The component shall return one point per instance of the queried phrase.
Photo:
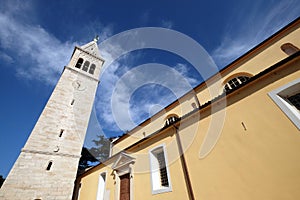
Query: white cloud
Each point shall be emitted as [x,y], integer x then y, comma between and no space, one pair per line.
[42,54]
[167,24]
[6,58]
[183,69]
[253,28]
[144,17]
[45,55]
[153,80]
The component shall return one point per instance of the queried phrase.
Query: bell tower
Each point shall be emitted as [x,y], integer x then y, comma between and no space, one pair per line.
[47,165]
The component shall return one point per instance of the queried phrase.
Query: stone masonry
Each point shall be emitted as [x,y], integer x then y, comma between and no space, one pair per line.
[47,165]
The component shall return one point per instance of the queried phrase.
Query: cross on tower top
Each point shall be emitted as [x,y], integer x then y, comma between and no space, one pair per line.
[96,38]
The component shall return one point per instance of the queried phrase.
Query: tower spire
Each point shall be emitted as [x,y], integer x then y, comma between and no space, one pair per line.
[47,165]
[96,38]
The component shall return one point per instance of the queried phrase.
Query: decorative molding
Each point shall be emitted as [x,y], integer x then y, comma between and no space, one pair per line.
[49,153]
[76,47]
[86,75]
[123,160]
[123,165]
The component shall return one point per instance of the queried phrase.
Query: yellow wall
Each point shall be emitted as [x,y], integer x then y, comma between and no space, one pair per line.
[182,107]
[263,58]
[259,160]
[89,182]
[142,178]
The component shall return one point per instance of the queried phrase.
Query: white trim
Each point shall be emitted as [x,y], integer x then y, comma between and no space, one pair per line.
[278,96]
[101,188]
[123,165]
[153,170]
[110,149]
[131,180]
[123,160]
[117,187]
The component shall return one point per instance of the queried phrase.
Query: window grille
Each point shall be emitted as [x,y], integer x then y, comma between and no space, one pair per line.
[160,177]
[171,120]
[162,169]
[235,82]
[295,100]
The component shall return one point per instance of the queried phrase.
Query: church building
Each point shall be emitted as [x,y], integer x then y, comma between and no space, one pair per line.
[234,136]
[241,142]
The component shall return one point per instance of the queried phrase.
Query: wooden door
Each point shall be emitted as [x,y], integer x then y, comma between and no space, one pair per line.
[125,187]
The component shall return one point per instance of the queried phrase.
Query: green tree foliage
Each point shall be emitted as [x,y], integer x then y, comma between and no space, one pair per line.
[101,149]
[1,180]
[86,159]
[98,153]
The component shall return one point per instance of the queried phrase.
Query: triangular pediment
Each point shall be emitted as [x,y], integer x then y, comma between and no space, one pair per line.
[92,48]
[122,160]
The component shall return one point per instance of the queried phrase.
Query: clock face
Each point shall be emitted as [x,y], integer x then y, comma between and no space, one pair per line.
[78,85]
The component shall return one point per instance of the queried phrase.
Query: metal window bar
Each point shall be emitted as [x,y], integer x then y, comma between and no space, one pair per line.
[295,100]
[162,169]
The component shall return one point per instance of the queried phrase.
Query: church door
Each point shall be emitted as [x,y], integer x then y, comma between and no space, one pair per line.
[125,187]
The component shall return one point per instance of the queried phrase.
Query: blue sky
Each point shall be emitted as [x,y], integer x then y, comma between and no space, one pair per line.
[37,39]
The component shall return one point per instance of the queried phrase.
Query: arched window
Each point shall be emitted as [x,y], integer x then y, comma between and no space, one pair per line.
[289,48]
[235,82]
[86,66]
[92,69]
[171,120]
[79,63]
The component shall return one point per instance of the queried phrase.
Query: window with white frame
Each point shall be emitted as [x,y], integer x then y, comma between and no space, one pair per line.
[159,170]
[101,186]
[295,100]
[287,98]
